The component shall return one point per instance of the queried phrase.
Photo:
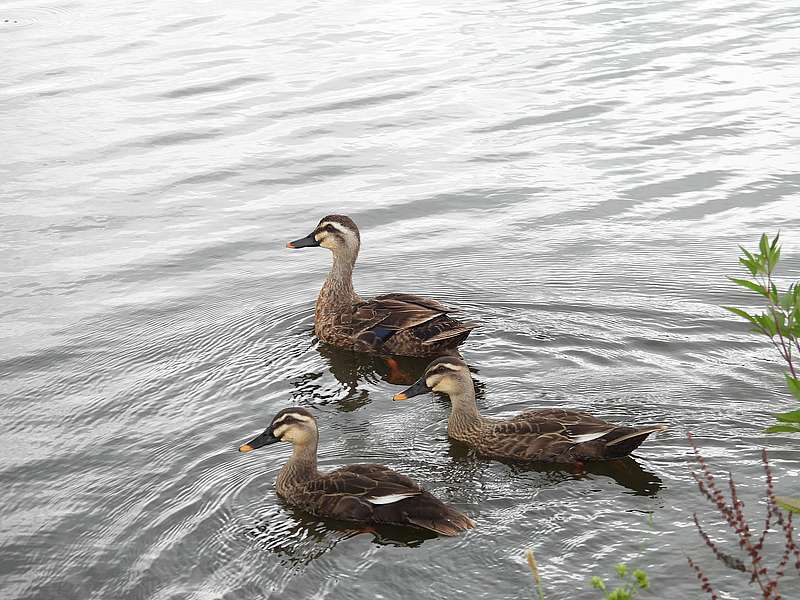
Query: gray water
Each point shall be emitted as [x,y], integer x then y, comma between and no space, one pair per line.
[574,175]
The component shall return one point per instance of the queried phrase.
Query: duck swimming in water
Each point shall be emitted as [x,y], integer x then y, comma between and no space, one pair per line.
[550,435]
[367,493]
[399,323]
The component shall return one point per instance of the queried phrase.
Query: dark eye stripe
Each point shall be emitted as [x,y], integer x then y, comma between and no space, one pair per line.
[326,229]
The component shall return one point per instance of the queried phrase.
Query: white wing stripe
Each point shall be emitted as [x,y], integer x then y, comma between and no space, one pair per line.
[587,437]
[391,498]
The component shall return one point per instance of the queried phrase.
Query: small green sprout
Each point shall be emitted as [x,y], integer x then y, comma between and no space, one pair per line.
[631,583]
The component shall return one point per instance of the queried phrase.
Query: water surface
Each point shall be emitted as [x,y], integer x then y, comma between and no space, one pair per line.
[576,176]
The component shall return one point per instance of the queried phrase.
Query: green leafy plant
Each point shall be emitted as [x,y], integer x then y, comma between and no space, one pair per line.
[630,584]
[780,322]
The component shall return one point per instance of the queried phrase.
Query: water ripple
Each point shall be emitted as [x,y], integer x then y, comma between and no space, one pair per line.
[576,177]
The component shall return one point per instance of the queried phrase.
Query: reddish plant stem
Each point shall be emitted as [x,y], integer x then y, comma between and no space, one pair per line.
[705,584]
[734,517]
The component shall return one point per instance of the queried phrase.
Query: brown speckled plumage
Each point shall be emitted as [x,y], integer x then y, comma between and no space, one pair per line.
[398,323]
[550,435]
[369,494]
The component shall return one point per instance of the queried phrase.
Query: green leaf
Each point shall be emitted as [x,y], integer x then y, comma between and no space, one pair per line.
[774,243]
[750,256]
[751,266]
[750,285]
[641,579]
[750,262]
[789,417]
[787,300]
[774,257]
[793,385]
[597,583]
[767,323]
[788,428]
[741,313]
[790,504]
[763,245]
[774,294]
[622,570]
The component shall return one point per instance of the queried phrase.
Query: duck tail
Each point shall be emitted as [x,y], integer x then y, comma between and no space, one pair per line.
[450,523]
[455,336]
[624,440]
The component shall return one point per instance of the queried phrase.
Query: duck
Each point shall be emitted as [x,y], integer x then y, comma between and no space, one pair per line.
[369,494]
[396,323]
[551,435]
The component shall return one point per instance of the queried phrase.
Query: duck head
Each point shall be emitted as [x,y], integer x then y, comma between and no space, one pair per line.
[448,375]
[337,233]
[294,425]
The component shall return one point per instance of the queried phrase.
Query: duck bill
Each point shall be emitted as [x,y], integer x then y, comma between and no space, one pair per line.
[307,242]
[415,390]
[264,439]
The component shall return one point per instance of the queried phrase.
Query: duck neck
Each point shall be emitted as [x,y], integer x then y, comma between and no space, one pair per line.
[302,467]
[338,286]
[464,415]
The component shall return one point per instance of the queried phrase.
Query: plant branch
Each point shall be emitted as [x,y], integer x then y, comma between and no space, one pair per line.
[732,511]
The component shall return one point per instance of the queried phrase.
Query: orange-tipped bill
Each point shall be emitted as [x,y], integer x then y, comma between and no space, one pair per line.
[258,441]
[420,387]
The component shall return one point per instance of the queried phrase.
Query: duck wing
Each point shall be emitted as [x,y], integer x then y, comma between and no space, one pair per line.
[571,425]
[557,434]
[374,493]
[375,321]
[428,303]
[352,492]
[396,311]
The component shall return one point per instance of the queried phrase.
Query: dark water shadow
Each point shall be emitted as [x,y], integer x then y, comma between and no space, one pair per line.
[626,472]
[351,369]
[297,537]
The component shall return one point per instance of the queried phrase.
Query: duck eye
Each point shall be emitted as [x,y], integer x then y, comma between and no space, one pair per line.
[329,228]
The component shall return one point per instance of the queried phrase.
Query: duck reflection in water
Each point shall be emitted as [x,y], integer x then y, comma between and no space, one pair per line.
[468,465]
[351,369]
[297,538]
